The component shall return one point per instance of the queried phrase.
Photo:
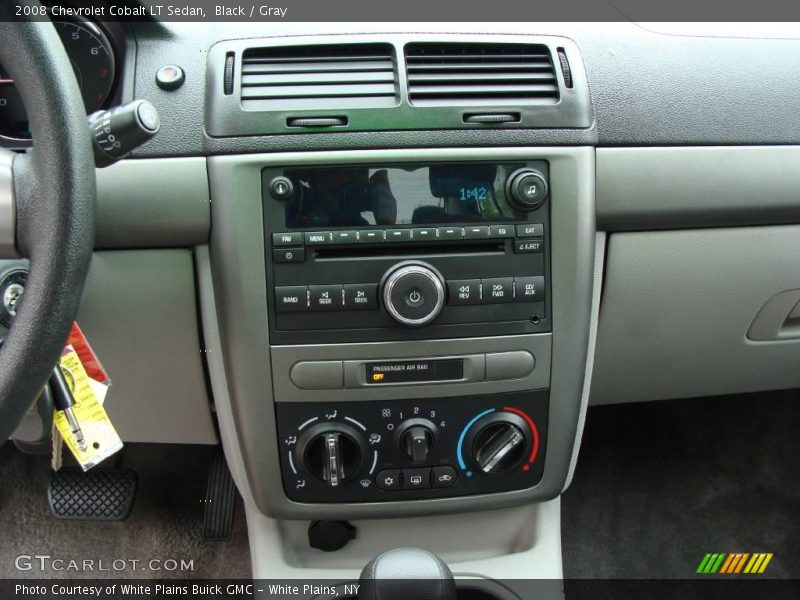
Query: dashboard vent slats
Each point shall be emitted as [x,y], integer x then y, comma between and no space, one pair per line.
[319,77]
[480,74]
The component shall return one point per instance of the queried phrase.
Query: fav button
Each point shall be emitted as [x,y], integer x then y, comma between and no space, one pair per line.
[443,477]
[287,238]
[498,290]
[416,479]
[325,297]
[388,480]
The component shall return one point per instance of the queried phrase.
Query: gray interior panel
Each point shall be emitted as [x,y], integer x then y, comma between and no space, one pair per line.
[153,204]
[356,355]
[680,187]
[139,314]
[647,88]
[518,543]
[676,309]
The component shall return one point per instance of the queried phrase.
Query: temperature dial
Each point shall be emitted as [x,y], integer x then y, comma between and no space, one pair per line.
[332,452]
[500,442]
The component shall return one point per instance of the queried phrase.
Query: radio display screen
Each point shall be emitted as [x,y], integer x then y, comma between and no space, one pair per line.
[428,194]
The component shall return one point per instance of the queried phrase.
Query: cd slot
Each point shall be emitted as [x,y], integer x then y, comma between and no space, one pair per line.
[413,249]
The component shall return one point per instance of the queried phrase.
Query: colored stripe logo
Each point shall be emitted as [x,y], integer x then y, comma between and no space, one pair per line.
[733,563]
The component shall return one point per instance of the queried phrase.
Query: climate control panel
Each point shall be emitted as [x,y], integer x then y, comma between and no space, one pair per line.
[411,449]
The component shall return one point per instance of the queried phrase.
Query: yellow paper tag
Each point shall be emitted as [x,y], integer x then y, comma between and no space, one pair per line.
[101,438]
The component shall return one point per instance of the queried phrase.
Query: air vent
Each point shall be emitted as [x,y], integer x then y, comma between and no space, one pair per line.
[442,74]
[335,76]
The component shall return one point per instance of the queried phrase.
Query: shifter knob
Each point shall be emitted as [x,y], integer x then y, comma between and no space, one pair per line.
[405,574]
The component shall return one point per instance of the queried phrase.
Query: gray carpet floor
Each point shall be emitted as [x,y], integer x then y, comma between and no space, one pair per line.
[166,521]
[659,484]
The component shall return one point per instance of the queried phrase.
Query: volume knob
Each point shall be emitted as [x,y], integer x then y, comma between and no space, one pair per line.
[413,293]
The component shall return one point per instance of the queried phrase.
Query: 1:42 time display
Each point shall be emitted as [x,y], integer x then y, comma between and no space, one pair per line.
[474,193]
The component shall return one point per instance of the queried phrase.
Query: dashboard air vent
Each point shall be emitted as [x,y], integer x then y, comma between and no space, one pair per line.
[335,76]
[471,74]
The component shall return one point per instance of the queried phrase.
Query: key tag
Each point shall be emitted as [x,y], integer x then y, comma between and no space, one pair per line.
[89,382]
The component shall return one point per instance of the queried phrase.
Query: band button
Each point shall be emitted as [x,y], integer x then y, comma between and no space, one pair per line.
[292,298]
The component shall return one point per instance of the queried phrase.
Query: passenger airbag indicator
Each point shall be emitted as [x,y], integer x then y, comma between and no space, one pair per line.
[411,371]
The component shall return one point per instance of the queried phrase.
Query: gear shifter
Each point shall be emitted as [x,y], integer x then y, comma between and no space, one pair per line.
[407,574]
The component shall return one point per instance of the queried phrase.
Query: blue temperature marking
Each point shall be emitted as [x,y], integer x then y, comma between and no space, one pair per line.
[461,437]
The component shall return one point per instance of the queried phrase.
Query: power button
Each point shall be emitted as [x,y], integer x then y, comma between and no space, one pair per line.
[281,188]
[413,293]
[415,298]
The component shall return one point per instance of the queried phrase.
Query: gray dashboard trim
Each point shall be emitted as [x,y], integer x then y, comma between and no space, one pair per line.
[697,186]
[599,264]
[153,203]
[238,269]
[647,88]
[284,357]
[138,311]
[682,303]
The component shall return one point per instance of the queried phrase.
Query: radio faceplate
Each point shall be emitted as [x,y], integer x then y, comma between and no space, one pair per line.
[335,234]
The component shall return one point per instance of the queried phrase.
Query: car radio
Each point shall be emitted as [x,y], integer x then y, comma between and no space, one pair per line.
[410,251]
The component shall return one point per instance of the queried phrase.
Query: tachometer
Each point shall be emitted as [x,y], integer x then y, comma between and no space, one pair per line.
[93,61]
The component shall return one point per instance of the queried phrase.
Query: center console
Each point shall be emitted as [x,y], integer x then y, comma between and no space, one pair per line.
[413,251]
[405,332]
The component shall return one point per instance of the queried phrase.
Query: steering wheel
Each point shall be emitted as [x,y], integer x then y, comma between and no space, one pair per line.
[47,206]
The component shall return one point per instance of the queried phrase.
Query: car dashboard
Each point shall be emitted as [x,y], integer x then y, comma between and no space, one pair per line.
[401,260]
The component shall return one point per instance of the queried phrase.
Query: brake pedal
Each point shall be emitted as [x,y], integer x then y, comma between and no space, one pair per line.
[96,495]
[220,501]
